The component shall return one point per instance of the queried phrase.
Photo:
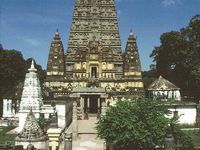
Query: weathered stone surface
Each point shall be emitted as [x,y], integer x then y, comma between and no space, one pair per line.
[32,133]
[31,95]
[132,65]
[94,55]
[56,64]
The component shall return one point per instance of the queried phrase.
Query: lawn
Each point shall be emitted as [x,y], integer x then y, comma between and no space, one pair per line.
[6,137]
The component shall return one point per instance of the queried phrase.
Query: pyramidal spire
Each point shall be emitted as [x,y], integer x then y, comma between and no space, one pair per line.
[56,64]
[31,129]
[131,55]
[32,68]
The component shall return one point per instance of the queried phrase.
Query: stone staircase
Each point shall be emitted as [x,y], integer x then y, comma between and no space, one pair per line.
[87,126]
[87,135]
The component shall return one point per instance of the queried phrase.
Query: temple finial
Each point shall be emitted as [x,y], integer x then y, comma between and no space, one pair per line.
[32,68]
[57,32]
[57,35]
[32,64]
[131,32]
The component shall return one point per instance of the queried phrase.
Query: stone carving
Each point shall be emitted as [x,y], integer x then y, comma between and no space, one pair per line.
[94,55]
[31,95]
[56,64]
[131,55]
[31,133]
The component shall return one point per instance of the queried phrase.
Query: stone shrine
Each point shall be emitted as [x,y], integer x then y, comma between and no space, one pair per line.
[32,98]
[32,134]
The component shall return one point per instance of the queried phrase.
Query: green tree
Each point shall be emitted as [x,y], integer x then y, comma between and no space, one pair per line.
[1,46]
[11,71]
[42,122]
[149,76]
[13,68]
[138,124]
[178,57]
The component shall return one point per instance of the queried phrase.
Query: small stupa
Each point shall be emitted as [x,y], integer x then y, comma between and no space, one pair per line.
[32,133]
[31,96]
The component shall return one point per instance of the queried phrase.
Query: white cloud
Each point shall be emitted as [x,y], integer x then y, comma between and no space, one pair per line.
[167,3]
[32,42]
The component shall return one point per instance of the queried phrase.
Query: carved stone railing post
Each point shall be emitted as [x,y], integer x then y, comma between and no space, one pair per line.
[103,108]
[75,120]
[169,142]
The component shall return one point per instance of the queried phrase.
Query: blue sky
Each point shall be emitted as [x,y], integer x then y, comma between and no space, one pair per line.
[29,25]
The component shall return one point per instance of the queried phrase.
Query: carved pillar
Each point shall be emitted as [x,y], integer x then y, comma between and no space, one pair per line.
[10,107]
[75,120]
[99,108]
[169,142]
[68,141]
[88,104]
[99,103]
[103,108]
[82,106]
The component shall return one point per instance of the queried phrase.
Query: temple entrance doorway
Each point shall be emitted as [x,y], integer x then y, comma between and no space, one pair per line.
[94,72]
[92,104]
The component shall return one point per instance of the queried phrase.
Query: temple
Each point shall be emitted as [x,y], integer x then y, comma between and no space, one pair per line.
[94,69]
[163,89]
[83,82]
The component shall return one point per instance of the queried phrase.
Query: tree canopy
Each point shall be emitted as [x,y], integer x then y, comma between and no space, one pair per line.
[13,68]
[138,124]
[178,57]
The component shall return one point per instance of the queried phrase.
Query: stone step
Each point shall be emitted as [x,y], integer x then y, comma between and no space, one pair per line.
[87,126]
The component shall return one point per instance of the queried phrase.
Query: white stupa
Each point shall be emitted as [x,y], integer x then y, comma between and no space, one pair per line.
[31,96]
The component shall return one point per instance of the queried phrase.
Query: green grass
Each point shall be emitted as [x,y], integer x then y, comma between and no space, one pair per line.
[195,135]
[6,137]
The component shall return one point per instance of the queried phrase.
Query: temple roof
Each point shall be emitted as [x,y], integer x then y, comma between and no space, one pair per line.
[31,130]
[162,84]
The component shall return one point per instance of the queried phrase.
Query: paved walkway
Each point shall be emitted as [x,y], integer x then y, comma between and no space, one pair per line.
[87,136]
[87,126]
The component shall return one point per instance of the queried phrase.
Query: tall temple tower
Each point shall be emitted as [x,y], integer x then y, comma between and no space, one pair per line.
[94,70]
[132,65]
[56,64]
[94,20]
